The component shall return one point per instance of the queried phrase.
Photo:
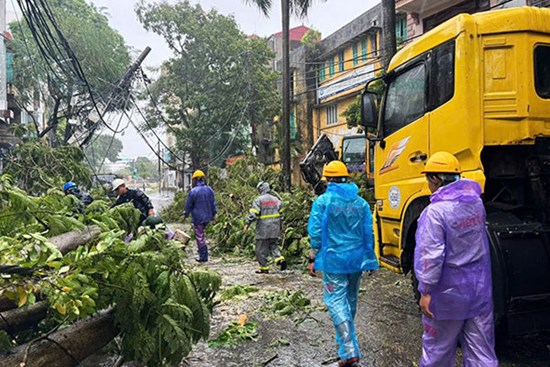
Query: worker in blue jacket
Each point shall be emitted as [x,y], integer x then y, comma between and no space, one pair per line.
[201,205]
[71,188]
[341,237]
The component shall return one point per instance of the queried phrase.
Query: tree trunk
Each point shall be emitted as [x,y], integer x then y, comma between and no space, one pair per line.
[388,18]
[21,318]
[6,303]
[71,240]
[68,347]
[285,8]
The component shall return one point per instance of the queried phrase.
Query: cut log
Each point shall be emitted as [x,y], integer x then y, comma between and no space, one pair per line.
[67,347]
[64,242]
[6,303]
[71,240]
[21,318]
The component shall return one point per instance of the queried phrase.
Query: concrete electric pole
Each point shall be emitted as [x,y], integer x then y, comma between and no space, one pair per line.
[388,18]
[285,158]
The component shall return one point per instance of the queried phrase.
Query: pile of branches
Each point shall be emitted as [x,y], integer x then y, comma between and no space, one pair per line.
[70,284]
[235,189]
[36,167]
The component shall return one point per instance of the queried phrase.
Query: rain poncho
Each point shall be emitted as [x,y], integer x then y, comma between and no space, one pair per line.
[340,229]
[201,204]
[452,261]
[265,210]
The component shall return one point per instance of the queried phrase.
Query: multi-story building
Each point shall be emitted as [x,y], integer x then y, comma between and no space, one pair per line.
[347,59]
[423,15]
[326,76]
[275,43]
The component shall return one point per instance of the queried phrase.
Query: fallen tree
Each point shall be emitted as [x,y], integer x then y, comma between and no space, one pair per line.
[13,319]
[69,241]
[18,319]
[161,306]
[67,347]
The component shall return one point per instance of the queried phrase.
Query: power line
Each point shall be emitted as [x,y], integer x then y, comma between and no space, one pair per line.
[152,130]
[50,48]
[147,142]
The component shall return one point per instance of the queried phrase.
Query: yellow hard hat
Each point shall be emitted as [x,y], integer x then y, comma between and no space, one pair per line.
[335,169]
[198,173]
[442,162]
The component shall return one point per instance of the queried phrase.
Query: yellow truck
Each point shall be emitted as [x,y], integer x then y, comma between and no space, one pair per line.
[477,86]
[353,153]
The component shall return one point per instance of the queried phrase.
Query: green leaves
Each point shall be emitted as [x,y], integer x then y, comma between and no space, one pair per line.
[161,306]
[285,303]
[38,168]
[234,334]
[100,50]
[237,290]
[126,216]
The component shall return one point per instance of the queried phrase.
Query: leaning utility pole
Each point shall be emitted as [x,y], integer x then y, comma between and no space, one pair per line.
[285,7]
[388,27]
[122,86]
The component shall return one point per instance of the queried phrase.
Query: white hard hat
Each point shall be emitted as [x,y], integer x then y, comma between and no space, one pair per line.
[117,182]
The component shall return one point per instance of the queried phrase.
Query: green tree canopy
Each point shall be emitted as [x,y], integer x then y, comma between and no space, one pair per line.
[145,168]
[101,147]
[99,49]
[36,167]
[217,84]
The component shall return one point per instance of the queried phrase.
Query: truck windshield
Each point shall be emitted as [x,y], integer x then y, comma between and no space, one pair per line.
[405,99]
[542,70]
[353,150]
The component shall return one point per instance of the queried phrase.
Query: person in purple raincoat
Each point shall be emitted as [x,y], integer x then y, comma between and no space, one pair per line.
[201,204]
[453,267]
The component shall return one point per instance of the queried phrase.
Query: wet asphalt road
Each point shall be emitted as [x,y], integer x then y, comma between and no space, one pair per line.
[160,200]
[388,323]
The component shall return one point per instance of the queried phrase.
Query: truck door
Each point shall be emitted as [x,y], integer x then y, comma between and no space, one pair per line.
[400,157]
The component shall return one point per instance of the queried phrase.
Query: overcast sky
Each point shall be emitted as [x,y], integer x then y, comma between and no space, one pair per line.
[326,17]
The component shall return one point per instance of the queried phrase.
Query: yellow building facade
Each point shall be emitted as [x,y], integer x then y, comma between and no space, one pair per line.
[348,59]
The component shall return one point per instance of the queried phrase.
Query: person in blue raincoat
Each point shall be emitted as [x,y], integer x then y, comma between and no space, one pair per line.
[71,188]
[341,237]
[453,266]
[201,205]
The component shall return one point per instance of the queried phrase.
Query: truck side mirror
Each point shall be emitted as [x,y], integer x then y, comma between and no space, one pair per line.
[369,112]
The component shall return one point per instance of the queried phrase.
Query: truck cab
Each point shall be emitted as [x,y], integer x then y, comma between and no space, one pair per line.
[353,152]
[477,86]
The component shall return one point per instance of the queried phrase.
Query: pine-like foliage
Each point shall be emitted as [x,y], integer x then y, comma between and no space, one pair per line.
[172,302]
